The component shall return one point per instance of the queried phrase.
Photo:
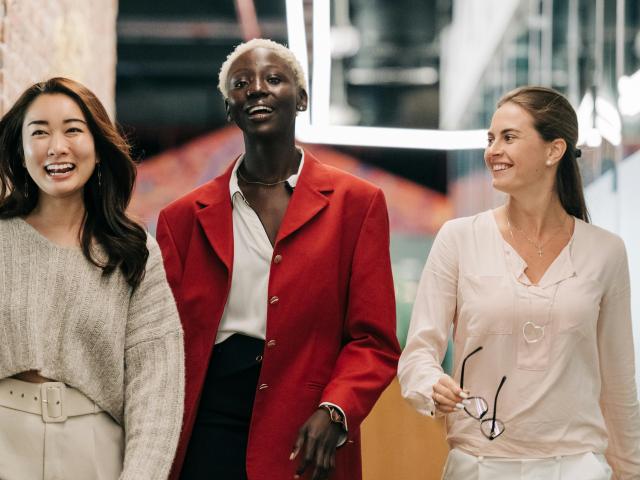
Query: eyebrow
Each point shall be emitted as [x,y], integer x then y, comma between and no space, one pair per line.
[44,122]
[506,130]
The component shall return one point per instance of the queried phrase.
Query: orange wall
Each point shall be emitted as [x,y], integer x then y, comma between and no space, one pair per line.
[400,444]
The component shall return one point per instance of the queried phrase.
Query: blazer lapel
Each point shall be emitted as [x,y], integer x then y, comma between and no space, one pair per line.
[215,217]
[308,199]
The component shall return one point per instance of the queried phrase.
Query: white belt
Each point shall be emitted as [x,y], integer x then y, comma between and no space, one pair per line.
[54,401]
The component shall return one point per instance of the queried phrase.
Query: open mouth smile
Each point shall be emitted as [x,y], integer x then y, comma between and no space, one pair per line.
[258,112]
[499,167]
[59,169]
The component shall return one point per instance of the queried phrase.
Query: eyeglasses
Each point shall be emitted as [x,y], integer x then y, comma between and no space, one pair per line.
[478,407]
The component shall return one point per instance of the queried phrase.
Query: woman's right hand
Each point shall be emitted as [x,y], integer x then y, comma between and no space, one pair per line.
[448,396]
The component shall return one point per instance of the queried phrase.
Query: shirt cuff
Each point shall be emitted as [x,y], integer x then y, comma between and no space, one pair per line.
[423,404]
[344,435]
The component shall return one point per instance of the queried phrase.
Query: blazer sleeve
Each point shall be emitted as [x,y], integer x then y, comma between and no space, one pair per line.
[367,361]
[619,397]
[154,376]
[433,314]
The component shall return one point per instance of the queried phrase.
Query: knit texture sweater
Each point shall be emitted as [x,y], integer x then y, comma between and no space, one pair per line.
[123,349]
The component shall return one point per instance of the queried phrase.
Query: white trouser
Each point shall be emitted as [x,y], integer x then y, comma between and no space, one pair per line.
[42,446]
[584,466]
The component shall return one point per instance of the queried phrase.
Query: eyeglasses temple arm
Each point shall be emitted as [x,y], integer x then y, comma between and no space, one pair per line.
[463,364]
[495,405]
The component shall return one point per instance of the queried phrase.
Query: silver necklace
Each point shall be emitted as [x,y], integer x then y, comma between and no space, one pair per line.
[537,246]
[255,182]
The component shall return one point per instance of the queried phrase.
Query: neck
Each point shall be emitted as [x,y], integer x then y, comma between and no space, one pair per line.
[269,160]
[536,214]
[61,214]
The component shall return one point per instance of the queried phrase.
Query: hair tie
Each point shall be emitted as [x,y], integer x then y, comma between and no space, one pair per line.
[578,153]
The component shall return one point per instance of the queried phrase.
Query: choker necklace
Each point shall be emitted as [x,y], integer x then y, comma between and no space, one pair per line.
[537,246]
[264,184]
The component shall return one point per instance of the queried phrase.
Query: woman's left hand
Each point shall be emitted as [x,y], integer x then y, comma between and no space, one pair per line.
[319,436]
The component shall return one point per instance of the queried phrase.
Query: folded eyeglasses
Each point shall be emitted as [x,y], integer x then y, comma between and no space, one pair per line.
[478,407]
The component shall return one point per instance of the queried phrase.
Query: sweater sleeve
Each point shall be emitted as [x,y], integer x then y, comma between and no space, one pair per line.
[154,376]
[433,313]
[619,398]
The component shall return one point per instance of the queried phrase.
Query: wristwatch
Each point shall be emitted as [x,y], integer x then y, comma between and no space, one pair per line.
[335,415]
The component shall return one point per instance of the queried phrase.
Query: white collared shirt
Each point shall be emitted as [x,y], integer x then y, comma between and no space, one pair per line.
[246,308]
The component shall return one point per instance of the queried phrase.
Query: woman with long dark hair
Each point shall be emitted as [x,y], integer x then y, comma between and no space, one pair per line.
[544,383]
[92,355]
[281,271]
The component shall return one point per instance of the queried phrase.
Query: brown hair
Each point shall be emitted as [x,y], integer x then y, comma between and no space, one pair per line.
[553,118]
[105,199]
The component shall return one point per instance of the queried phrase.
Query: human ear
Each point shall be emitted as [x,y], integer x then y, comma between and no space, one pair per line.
[556,151]
[227,110]
[301,104]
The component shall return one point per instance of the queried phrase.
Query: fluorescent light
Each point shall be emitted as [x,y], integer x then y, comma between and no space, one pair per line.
[392,137]
[317,129]
[593,138]
[393,76]
[608,121]
[629,90]
[608,113]
[321,92]
[297,37]
[608,124]
[585,118]
[345,42]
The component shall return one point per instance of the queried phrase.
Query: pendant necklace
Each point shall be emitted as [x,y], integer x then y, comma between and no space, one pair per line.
[537,246]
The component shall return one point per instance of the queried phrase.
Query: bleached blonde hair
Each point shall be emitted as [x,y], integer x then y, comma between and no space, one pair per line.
[282,51]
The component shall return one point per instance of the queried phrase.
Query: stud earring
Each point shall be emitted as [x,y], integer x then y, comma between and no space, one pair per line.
[549,163]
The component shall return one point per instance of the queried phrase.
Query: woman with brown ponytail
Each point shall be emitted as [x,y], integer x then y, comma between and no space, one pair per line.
[544,382]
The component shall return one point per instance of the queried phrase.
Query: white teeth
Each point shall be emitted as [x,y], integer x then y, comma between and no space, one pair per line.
[496,167]
[259,109]
[59,168]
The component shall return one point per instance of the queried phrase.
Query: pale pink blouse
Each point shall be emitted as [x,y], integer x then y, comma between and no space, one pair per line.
[572,392]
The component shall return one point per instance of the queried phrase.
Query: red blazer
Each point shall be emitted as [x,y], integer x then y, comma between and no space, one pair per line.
[330,337]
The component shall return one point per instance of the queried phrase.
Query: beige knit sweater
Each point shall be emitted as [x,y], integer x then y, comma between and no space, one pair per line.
[59,315]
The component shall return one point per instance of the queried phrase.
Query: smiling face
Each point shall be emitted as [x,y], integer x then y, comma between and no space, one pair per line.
[516,155]
[263,94]
[59,151]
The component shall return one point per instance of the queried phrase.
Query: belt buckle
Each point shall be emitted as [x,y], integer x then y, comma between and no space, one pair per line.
[52,396]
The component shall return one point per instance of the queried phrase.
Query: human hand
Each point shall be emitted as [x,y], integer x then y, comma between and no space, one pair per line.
[448,396]
[320,437]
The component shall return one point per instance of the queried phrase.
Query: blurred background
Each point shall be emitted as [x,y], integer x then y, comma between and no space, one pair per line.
[401,93]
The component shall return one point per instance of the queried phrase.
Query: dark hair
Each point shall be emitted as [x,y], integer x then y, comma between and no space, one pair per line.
[124,241]
[553,118]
